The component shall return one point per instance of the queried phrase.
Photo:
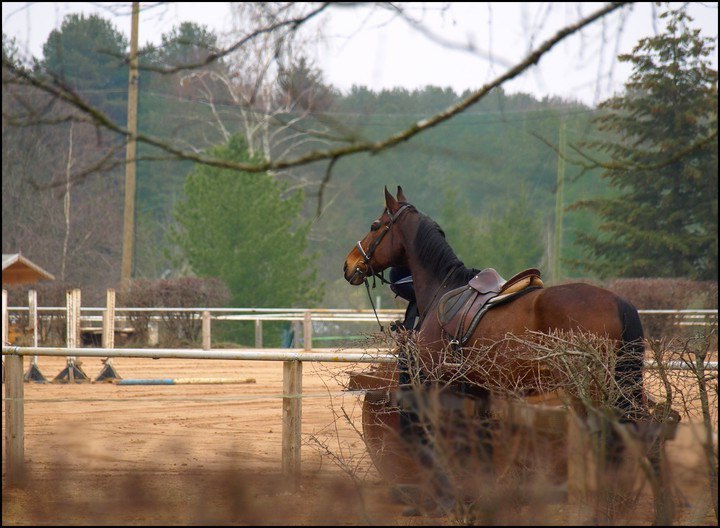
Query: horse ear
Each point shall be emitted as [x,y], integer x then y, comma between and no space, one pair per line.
[390,201]
[401,195]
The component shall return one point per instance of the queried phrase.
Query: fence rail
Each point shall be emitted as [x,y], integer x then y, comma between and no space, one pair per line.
[101,319]
[346,355]
[684,317]
[303,320]
[292,390]
[292,358]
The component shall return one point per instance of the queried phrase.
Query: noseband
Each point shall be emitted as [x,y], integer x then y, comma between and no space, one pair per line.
[367,255]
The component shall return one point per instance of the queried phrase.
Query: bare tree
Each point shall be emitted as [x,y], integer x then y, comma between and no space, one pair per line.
[272,37]
[49,211]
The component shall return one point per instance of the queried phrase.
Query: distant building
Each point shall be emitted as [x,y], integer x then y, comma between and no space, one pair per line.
[17,269]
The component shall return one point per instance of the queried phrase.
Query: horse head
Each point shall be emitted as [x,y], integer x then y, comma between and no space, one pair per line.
[377,251]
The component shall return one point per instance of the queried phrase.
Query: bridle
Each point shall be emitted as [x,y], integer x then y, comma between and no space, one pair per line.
[367,255]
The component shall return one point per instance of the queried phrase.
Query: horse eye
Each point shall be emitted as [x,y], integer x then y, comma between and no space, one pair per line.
[375,225]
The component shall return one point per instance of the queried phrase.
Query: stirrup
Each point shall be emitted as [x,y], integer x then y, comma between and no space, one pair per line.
[455,352]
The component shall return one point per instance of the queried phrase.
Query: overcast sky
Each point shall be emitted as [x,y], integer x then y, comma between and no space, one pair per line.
[372,47]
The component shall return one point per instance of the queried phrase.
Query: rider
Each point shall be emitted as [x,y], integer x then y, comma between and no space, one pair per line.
[401,283]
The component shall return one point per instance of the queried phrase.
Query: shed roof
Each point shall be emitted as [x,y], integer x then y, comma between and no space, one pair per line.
[17,269]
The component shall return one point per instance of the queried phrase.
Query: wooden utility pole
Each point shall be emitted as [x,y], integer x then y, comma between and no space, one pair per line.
[557,241]
[130,166]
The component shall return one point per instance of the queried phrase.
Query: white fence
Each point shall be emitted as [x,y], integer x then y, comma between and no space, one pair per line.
[103,320]
[303,321]
[292,391]
[292,359]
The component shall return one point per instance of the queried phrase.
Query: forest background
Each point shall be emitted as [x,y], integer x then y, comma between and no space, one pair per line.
[489,176]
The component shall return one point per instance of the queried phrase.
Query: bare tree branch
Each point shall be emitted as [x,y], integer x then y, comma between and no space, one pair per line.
[292,24]
[469,47]
[628,167]
[57,89]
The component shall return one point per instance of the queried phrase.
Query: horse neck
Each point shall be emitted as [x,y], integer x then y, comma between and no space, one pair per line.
[434,265]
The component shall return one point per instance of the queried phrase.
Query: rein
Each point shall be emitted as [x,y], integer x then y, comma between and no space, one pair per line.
[367,287]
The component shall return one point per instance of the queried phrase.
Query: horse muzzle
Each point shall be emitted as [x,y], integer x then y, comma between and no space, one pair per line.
[356,274]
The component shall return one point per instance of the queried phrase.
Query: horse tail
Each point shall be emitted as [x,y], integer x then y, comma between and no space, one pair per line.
[630,362]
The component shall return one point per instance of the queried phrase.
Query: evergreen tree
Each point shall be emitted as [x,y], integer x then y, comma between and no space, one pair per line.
[88,55]
[507,238]
[9,49]
[301,87]
[663,222]
[189,44]
[173,107]
[238,227]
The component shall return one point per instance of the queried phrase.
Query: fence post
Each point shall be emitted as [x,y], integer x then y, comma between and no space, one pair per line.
[577,459]
[153,332]
[108,337]
[15,418]
[291,424]
[206,337]
[33,318]
[307,331]
[258,333]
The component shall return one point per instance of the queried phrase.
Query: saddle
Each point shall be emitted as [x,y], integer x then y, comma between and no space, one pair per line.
[460,310]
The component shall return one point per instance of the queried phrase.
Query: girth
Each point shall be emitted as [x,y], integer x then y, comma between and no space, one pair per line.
[460,310]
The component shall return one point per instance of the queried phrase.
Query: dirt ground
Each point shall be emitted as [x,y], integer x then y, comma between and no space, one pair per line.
[103,454]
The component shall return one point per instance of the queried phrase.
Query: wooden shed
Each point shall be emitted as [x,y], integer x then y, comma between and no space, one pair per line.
[17,269]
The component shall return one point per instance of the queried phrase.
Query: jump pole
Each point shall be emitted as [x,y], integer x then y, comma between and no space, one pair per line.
[33,372]
[187,381]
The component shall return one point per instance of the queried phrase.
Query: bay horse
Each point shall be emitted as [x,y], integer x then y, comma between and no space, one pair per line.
[404,236]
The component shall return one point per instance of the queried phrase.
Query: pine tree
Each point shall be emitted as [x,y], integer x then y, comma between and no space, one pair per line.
[88,55]
[241,227]
[663,219]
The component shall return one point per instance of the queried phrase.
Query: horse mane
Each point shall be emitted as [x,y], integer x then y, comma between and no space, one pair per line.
[436,254]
